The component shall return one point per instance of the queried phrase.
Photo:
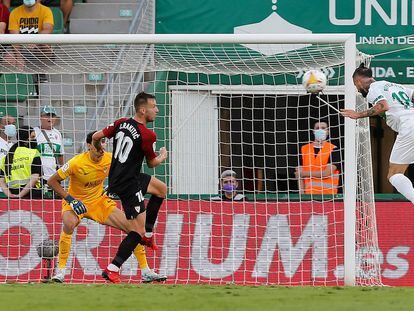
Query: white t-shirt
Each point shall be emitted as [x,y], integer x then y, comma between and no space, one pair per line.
[398,98]
[48,157]
[4,147]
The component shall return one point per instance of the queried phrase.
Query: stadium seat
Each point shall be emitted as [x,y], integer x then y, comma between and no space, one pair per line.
[8,109]
[58,19]
[16,87]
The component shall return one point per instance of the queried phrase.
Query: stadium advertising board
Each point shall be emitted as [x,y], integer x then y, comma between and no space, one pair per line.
[206,242]
[383,28]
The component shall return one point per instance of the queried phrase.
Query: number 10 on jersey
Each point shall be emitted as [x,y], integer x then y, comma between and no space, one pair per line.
[123,147]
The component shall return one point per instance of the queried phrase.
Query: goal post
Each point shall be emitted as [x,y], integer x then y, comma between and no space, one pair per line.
[350,164]
[227,102]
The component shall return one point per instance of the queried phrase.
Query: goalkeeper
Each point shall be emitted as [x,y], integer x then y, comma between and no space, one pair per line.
[87,172]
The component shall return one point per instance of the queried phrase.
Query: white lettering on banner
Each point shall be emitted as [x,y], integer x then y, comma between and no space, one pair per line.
[402,265]
[372,6]
[404,12]
[405,40]
[366,259]
[81,249]
[410,72]
[278,235]
[38,232]
[381,40]
[381,72]
[344,22]
[294,246]
[201,250]
[171,244]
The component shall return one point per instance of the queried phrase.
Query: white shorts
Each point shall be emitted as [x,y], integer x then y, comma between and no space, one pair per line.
[403,149]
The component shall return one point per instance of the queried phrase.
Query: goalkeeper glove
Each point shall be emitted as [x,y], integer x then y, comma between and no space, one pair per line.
[77,206]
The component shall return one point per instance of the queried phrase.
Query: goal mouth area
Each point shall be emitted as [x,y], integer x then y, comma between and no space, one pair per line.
[232,102]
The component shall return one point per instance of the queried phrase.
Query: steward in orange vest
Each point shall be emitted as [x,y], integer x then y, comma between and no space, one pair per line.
[318,175]
[315,164]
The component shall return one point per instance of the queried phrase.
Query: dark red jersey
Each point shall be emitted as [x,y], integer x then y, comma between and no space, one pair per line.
[132,142]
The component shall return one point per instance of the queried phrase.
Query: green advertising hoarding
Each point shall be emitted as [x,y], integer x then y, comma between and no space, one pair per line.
[383,27]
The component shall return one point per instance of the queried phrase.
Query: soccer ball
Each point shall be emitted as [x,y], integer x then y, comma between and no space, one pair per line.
[314,81]
[48,249]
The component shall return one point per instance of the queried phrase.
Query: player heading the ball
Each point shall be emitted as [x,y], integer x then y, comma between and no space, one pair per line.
[397,103]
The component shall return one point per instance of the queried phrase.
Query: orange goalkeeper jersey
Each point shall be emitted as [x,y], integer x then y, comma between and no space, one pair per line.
[86,176]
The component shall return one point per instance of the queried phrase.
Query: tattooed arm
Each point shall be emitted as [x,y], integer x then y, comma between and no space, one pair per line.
[375,110]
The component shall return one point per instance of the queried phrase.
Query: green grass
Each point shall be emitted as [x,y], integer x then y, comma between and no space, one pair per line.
[201,297]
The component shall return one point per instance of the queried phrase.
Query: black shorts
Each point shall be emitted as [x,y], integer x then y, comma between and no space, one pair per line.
[132,195]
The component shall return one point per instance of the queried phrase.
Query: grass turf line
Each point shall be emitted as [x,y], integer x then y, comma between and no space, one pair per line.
[201,297]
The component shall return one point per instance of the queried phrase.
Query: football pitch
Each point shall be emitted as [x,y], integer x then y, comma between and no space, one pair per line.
[201,297]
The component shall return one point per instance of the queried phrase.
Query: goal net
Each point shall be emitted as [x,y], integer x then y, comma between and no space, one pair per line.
[235,119]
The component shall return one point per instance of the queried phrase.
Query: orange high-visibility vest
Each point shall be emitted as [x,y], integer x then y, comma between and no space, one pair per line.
[310,162]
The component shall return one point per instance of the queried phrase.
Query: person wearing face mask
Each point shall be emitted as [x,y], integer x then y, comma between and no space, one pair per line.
[229,185]
[66,6]
[49,142]
[7,133]
[396,103]
[320,164]
[20,169]
[30,18]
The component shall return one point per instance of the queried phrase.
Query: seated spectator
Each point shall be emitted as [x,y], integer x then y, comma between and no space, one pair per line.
[320,164]
[30,18]
[49,142]
[7,133]
[20,169]
[229,185]
[4,19]
[66,6]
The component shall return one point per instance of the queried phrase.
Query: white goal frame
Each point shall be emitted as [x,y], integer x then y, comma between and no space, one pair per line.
[349,42]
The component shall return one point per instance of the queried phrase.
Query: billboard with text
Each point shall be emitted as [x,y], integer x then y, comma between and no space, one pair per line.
[215,243]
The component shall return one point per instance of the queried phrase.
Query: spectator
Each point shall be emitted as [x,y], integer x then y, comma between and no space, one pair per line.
[4,19]
[20,169]
[229,185]
[30,18]
[320,164]
[66,6]
[49,142]
[7,132]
